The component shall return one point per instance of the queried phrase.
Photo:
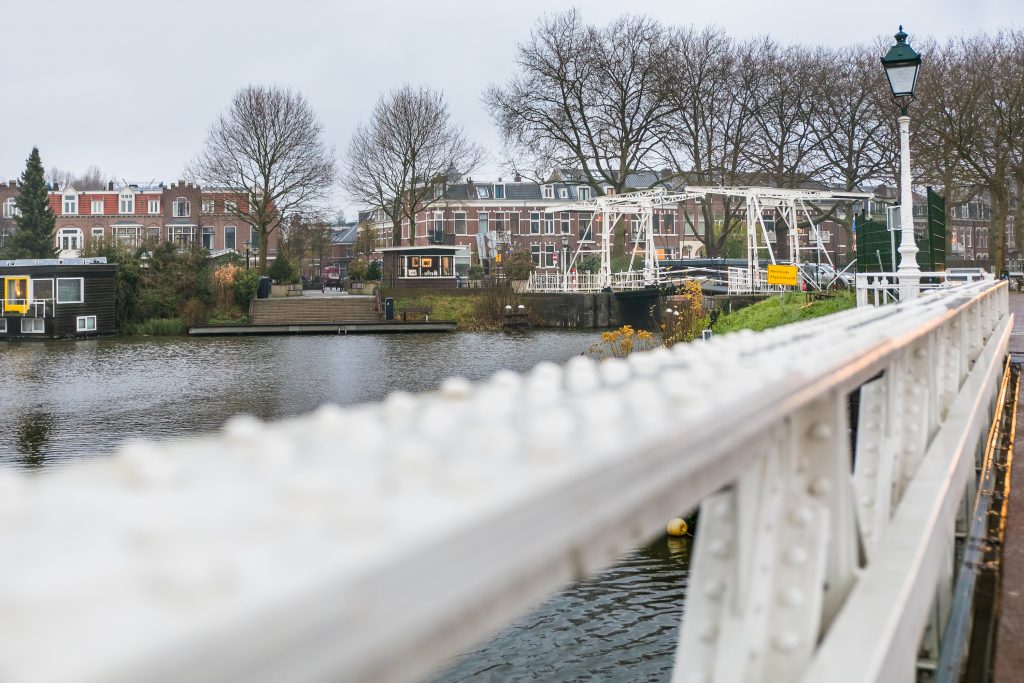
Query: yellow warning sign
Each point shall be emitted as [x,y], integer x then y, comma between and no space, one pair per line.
[782,275]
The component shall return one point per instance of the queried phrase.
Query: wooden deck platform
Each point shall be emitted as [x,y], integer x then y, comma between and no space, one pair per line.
[378,327]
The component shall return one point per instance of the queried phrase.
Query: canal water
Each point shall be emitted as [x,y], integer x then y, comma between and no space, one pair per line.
[64,401]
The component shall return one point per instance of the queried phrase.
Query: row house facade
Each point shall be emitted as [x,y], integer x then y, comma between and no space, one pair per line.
[141,215]
[526,216]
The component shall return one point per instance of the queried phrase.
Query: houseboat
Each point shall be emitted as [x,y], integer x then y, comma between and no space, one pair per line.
[430,267]
[58,298]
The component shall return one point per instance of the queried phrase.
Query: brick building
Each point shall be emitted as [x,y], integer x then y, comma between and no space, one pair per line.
[138,215]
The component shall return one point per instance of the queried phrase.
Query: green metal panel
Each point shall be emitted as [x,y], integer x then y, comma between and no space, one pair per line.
[874,248]
[936,231]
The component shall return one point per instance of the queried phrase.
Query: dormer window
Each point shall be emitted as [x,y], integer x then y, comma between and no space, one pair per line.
[70,204]
[499,191]
[583,193]
[230,206]
[548,191]
[609,191]
[563,193]
[126,202]
[483,193]
[181,207]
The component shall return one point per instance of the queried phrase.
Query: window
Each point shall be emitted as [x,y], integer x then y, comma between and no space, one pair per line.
[609,191]
[563,193]
[482,193]
[534,222]
[69,290]
[3,325]
[128,235]
[208,238]
[16,294]
[427,266]
[69,239]
[254,237]
[584,226]
[634,228]
[460,222]
[32,326]
[548,191]
[70,204]
[208,206]
[97,233]
[668,224]
[535,254]
[482,223]
[42,289]
[549,224]
[513,223]
[583,193]
[126,202]
[549,256]
[499,191]
[230,206]
[85,323]
[566,223]
[181,234]
[154,206]
[181,208]
[826,236]
[229,237]
[499,223]
[152,234]
[96,207]
[10,209]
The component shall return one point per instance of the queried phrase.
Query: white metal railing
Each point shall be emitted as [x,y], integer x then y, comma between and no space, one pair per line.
[590,282]
[357,545]
[876,289]
[746,281]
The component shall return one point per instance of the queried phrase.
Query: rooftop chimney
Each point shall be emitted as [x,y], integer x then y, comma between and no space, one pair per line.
[518,178]
[12,183]
[56,187]
[110,185]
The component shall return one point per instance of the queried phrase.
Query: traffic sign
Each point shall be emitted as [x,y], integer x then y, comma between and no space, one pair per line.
[782,275]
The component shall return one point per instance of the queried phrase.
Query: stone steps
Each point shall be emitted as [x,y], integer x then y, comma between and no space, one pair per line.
[319,310]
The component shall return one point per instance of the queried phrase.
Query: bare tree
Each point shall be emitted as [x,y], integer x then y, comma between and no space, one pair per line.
[92,179]
[587,98]
[268,145]
[402,159]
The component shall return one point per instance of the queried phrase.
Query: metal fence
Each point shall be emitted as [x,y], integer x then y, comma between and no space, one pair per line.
[358,545]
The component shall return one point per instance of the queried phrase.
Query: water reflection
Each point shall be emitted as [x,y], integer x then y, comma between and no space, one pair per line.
[32,432]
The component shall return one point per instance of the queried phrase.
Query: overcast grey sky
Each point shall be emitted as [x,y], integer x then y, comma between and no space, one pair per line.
[133,86]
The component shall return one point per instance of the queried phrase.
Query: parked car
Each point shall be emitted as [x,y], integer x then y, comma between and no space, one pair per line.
[825,276]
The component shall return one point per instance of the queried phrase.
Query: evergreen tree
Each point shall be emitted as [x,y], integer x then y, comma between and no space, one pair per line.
[34,235]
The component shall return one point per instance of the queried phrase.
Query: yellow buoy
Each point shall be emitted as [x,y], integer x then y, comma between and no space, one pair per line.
[676,527]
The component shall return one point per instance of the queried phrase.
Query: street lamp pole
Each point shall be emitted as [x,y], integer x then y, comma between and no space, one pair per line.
[902,65]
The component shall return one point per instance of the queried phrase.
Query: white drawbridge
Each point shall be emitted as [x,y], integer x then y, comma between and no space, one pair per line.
[790,206]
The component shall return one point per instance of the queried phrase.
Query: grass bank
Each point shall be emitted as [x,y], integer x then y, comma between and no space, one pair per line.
[157,327]
[464,309]
[770,313]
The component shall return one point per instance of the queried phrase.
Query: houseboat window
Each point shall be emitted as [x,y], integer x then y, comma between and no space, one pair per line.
[3,325]
[428,266]
[16,294]
[85,323]
[69,290]
[42,290]
[32,326]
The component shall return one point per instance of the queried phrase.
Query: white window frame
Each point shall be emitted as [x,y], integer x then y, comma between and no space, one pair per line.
[153,233]
[483,220]
[81,290]
[549,223]
[94,205]
[209,206]
[234,237]
[34,323]
[82,323]
[483,192]
[826,236]
[154,206]
[230,206]
[585,227]
[10,208]
[565,223]
[3,325]
[176,232]
[75,234]
[126,203]
[563,193]
[548,191]
[96,232]
[70,205]
[535,222]
[499,190]
[461,224]
[180,205]
[583,193]
[203,232]
[128,235]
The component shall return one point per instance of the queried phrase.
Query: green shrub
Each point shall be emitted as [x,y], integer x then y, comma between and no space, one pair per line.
[520,265]
[476,272]
[155,302]
[373,272]
[591,263]
[282,271]
[358,269]
[246,284]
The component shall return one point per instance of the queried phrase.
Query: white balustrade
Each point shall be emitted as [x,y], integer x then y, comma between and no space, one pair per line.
[361,544]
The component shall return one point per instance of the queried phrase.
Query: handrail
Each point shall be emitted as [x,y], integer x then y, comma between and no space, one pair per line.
[314,548]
